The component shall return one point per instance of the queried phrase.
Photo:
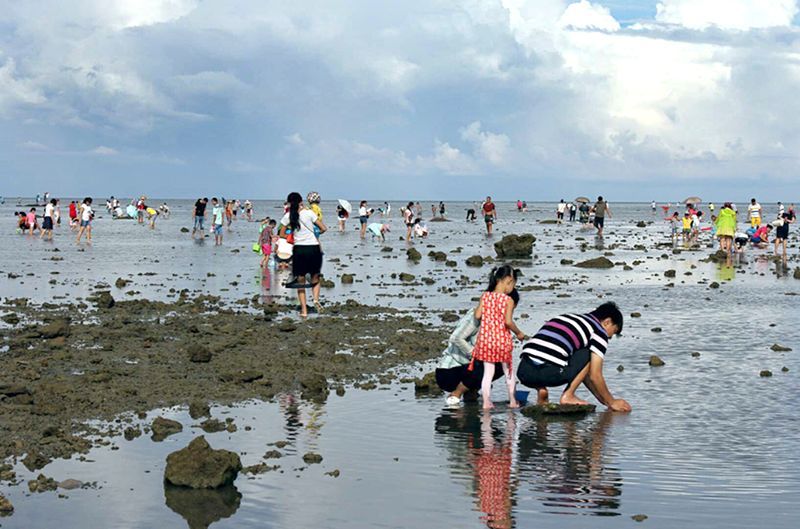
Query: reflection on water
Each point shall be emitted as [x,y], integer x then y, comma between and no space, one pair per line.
[202,507]
[562,461]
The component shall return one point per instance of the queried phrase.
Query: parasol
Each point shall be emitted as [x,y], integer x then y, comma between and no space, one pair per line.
[346,205]
[582,200]
[693,200]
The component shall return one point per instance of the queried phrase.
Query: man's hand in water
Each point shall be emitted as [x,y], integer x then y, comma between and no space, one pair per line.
[619,405]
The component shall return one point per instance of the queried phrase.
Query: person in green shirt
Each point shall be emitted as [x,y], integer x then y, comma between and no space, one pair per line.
[726,227]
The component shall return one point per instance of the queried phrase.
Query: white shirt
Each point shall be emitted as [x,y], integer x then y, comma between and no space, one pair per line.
[48,210]
[755,210]
[304,236]
[86,212]
[362,211]
[561,207]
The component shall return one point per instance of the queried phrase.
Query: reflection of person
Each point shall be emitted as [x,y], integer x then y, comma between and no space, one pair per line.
[569,350]
[452,374]
[566,464]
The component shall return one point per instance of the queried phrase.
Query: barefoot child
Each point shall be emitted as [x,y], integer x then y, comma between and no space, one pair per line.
[494,343]
[265,239]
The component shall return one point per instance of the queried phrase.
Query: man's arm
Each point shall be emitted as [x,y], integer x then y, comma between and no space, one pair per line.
[608,210]
[597,385]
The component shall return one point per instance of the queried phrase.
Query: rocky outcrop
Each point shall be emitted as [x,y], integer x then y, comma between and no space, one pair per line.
[198,466]
[515,246]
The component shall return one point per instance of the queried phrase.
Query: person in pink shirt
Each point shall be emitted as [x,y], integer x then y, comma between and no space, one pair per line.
[31,218]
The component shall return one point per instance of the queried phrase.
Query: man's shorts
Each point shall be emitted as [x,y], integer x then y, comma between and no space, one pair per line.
[755,222]
[217,229]
[547,374]
[488,219]
[598,222]
[198,222]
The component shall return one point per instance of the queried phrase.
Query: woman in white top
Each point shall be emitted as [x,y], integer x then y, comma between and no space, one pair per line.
[47,223]
[86,215]
[306,254]
[363,217]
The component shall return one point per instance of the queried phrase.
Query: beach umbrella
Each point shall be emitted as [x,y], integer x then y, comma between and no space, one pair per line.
[693,200]
[346,205]
[582,200]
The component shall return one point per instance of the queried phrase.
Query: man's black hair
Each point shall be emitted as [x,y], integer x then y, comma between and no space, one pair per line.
[609,310]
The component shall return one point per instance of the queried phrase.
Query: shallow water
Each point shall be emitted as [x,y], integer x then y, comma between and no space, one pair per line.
[709,442]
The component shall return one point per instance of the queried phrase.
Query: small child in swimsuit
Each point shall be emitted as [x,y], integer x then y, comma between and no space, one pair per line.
[265,239]
[494,343]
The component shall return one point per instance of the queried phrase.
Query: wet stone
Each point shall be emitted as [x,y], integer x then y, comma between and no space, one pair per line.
[540,410]
[778,348]
[198,408]
[765,373]
[198,353]
[199,466]
[347,279]
[163,428]
[413,254]
[475,260]
[311,458]
[6,508]
[656,361]
[515,246]
[601,262]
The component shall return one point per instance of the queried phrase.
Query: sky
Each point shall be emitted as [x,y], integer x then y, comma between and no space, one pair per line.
[412,99]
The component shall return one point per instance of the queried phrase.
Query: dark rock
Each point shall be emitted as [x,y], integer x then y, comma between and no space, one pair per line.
[131,432]
[639,517]
[198,466]
[273,454]
[104,300]
[656,329]
[198,353]
[515,246]
[12,390]
[720,256]
[121,283]
[669,273]
[199,408]
[54,329]
[641,224]
[450,317]
[347,279]
[426,384]
[597,262]
[696,354]
[552,408]
[765,373]
[242,376]
[6,508]
[184,230]
[778,348]
[163,428]
[437,256]
[42,484]
[326,283]
[566,262]
[656,361]
[785,369]
[636,314]
[620,368]
[413,254]
[311,458]
[287,325]
[11,318]
[70,484]
[475,260]
[315,387]
[202,507]
[213,426]
[333,473]
[407,277]
[713,284]
[35,460]
[796,273]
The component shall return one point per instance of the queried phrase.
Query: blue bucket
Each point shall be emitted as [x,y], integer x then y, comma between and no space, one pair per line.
[521,396]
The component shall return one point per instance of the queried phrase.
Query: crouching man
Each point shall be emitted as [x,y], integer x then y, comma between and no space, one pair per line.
[569,351]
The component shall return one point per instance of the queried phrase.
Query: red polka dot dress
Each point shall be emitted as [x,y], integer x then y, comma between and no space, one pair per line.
[494,343]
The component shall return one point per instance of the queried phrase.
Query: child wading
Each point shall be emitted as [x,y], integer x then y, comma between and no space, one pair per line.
[494,343]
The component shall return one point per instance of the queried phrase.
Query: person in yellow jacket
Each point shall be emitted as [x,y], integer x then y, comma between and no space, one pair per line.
[726,227]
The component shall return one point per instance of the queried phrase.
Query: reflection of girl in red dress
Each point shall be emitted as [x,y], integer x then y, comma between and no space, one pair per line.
[492,469]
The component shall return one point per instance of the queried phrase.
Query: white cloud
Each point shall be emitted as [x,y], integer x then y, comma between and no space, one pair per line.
[33,146]
[728,14]
[585,15]
[14,90]
[495,148]
[102,150]
[450,160]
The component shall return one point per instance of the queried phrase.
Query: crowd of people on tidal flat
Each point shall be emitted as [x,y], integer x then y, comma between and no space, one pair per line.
[568,350]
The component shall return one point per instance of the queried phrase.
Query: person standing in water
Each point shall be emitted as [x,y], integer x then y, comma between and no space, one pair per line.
[754,209]
[47,222]
[217,220]
[306,256]
[569,350]
[408,218]
[560,209]
[600,210]
[199,217]
[363,217]
[494,343]
[86,215]
[342,215]
[489,214]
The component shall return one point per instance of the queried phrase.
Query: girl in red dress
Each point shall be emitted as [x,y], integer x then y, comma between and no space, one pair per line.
[494,343]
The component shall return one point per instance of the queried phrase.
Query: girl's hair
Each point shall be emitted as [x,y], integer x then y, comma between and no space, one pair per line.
[53,201]
[363,202]
[87,200]
[294,200]
[498,273]
[410,205]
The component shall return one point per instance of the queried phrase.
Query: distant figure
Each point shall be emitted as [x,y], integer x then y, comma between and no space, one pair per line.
[519,206]
[600,210]
[164,209]
[782,233]
[754,209]
[378,229]
[653,206]
[584,210]
[573,209]
[471,215]
[363,217]
[86,215]
[442,210]
[47,221]
[489,214]
[33,224]
[408,218]
[560,209]
[199,216]
[342,215]
[433,211]
[711,207]
[217,220]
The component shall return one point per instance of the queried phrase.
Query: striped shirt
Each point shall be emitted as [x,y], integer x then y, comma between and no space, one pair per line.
[560,337]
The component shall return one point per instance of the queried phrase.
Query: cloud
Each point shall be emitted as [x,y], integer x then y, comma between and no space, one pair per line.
[494,148]
[102,150]
[727,14]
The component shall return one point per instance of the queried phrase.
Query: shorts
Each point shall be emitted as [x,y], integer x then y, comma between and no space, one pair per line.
[198,222]
[47,223]
[755,221]
[560,215]
[598,222]
[266,249]
[687,230]
[306,260]
[547,374]
[782,232]
[85,223]
[488,219]
[217,229]
[363,219]
[448,379]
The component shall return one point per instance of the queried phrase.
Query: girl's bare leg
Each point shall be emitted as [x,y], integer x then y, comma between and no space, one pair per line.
[486,385]
[511,383]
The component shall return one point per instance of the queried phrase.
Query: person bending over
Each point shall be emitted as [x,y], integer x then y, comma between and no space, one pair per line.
[569,350]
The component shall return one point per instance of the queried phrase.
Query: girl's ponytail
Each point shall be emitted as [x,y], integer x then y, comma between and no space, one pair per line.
[498,273]
[294,200]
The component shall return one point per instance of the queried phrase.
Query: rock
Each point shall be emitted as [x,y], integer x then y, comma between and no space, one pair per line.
[202,507]
[713,284]
[639,517]
[597,262]
[311,458]
[104,300]
[641,224]
[12,390]
[199,408]
[347,279]
[326,283]
[333,473]
[450,317]
[656,361]
[163,428]
[70,484]
[552,408]
[720,256]
[42,484]
[426,384]
[437,256]
[696,354]
[184,230]
[413,255]
[515,246]
[387,249]
[6,508]
[620,368]
[669,273]
[796,273]
[287,325]
[198,353]
[765,373]
[242,376]
[315,387]
[778,348]
[566,262]
[121,283]
[35,460]
[407,277]
[548,221]
[213,426]
[636,314]
[273,454]
[54,329]
[475,260]
[11,318]
[784,369]
[131,432]
[198,466]
[655,329]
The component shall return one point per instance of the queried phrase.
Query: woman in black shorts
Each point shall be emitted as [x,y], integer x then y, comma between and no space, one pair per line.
[306,254]
[782,233]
